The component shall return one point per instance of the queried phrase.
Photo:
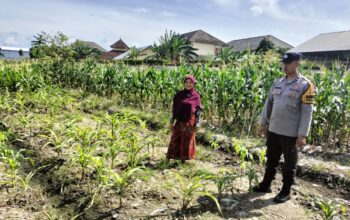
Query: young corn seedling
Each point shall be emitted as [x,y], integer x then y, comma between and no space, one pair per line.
[329,208]
[12,161]
[152,141]
[224,182]
[101,171]
[190,189]
[214,144]
[252,177]
[134,151]
[57,141]
[121,182]
[82,156]
[262,157]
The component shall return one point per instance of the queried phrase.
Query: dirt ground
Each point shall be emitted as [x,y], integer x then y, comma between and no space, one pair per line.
[57,193]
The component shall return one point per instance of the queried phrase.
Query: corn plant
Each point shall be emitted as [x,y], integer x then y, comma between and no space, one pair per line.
[57,141]
[252,177]
[101,171]
[134,151]
[224,181]
[214,144]
[262,156]
[83,157]
[191,188]
[152,141]
[12,161]
[121,182]
[328,207]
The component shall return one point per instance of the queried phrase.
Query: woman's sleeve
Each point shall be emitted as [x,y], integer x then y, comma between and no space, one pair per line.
[172,112]
[198,116]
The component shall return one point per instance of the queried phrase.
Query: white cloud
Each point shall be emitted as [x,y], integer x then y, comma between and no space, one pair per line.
[168,14]
[227,3]
[256,10]
[140,10]
[11,41]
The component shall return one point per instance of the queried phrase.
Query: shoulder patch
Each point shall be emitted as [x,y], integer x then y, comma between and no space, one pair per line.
[309,95]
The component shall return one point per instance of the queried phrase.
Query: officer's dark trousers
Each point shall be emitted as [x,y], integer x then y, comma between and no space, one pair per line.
[276,146]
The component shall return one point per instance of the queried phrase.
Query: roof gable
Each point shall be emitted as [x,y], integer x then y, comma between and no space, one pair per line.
[120,45]
[200,36]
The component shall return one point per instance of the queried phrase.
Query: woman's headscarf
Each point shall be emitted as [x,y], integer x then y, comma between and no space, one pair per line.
[186,102]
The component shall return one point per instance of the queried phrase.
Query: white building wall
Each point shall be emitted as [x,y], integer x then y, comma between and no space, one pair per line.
[206,49]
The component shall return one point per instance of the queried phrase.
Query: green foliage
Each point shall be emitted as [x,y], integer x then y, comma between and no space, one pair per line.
[252,177]
[121,182]
[329,208]
[191,188]
[265,45]
[232,96]
[173,47]
[83,51]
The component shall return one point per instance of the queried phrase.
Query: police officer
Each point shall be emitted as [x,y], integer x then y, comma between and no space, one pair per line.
[285,120]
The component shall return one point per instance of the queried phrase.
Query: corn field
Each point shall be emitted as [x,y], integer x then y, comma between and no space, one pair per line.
[232,95]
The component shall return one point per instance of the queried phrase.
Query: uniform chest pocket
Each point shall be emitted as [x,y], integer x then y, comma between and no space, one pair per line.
[291,99]
[276,93]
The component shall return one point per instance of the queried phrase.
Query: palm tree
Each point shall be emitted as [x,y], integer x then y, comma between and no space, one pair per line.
[39,45]
[226,55]
[173,47]
[82,51]
[134,53]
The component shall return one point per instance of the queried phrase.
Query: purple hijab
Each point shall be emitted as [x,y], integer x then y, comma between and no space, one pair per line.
[185,102]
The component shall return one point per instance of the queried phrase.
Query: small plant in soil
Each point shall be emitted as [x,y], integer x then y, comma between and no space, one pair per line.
[190,189]
[121,182]
[152,141]
[57,141]
[262,157]
[252,177]
[134,151]
[82,156]
[224,182]
[329,208]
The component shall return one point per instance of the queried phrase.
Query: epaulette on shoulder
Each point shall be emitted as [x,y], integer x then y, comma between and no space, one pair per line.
[308,96]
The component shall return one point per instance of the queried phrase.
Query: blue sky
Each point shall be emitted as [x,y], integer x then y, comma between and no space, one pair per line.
[140,23]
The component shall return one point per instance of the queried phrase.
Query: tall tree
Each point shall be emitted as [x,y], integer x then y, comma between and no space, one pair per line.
[134,53]
[172,47]
[265,45]
[83,51]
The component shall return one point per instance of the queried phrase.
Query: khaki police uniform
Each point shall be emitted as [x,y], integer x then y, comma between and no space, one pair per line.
[287,113]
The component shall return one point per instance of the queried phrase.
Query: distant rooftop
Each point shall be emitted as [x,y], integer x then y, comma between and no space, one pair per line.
[200,36]
[120,45]
[335,41]
[253,43]
[93,45]
[14,48]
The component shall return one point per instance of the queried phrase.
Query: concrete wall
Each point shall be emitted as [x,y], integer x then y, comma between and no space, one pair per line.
[13,54]
[144,54]
[205,49]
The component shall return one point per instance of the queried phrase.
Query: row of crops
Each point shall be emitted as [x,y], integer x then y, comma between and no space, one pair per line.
[232,95]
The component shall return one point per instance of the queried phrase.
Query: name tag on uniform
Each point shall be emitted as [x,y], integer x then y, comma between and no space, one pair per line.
[293,95]
[276,90]
[295,88]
